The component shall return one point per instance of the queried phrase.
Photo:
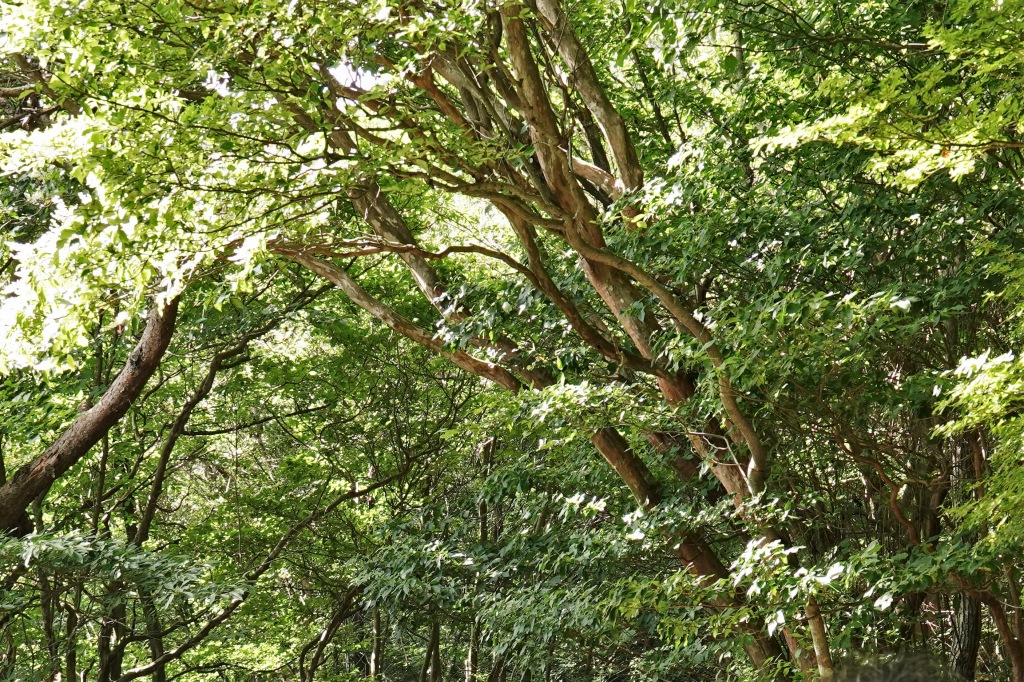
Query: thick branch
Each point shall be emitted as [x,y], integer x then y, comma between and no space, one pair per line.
[407,328]
[36,477]
[37,77]
[584,78]
[758,466]
[16,91]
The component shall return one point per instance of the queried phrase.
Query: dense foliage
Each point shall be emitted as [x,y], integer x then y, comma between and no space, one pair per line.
[542,340]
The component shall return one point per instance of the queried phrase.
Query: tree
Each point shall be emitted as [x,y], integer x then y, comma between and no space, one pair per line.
[740,250]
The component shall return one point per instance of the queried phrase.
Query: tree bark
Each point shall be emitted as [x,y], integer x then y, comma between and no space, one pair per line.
[473,652]
[112,630]
[407,328]
[819,639]
[376,646]
[692,551]
[497,673]
[430,671]
[36,477]
[594,97]
[966,637]
[1012,644]
[154,636]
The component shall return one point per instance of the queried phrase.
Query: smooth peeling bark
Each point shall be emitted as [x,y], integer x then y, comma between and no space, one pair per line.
[685,318]
[609,280]
[692,551]
[36,477]
[630,468]
[609,443]
[543,124]
[590,334]
[377,211]
[583,76]
[676,387]
[612,283]
[559,180]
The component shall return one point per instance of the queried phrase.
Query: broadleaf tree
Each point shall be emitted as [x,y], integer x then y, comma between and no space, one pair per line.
[575,340]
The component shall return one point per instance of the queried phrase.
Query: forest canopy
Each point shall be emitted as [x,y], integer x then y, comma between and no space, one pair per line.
[510,342]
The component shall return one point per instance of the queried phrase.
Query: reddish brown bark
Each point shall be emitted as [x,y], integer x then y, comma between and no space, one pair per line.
[594,97]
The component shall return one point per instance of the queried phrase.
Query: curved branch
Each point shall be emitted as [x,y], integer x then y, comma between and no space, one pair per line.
[757,468]
[856,453]
[584,78]
[36,477]
[403,326]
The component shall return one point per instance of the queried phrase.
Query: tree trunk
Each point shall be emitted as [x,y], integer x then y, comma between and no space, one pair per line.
[820,639]
[377,645]
[46,610]
[71,637]
[966,638]
[1012,645]
[154,636]
[111,633]
[431,672]
[435,662]
[497,670]
[472,656]
[695,554]
[36,477]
